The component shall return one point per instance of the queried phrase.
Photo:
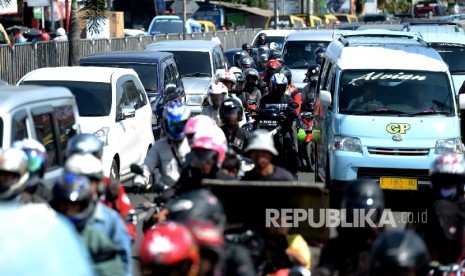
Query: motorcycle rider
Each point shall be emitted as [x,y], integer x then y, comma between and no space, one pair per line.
[168,153]
[231,165]
[251,90]
[169,249]
[36,191]
[273,66]
[198,123]
[277,95]
[320,56]
[229,80]
[238,56]
[74,198]
[308,92]
[261,150]
[444,228]
[231,113]
[292,90]
[399,253]
[113,195]
[102,218]
[262,40]
[217,93]
[246,63]
[349,252]
[13,174]
[247,47]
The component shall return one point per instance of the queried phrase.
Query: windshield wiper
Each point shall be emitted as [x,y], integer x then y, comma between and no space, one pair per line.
[377,111]
[427,112]
[197,74]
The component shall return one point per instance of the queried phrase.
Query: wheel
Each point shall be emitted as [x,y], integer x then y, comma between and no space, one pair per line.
[114,171]
[317,178]
[309,157]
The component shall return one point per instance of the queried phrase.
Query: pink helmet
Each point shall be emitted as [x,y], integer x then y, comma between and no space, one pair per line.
[212,138]
[197,123]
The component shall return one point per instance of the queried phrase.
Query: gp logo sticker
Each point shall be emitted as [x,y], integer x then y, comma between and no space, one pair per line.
[397,128]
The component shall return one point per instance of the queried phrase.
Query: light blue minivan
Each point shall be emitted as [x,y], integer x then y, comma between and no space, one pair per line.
[384,110]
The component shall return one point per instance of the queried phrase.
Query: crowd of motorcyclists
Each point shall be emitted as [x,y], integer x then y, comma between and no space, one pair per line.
[186,231]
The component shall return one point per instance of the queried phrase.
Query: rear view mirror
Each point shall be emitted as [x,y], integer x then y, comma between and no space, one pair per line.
[325,98]
[127,111]
[462,101]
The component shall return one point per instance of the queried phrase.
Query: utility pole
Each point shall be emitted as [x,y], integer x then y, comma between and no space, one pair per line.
[184,20]
[276,14]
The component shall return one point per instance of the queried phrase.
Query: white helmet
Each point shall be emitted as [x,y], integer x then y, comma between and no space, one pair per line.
[235,70]
[218,88]
[61,32]
[225,75]
[13,161]
[86,165]
[273,46]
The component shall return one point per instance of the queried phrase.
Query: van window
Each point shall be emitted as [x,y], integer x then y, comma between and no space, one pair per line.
[454,56]
[409,93]
[19,127]
[300,54]
[325,75]
[66,124]
[43,124]
[131,92]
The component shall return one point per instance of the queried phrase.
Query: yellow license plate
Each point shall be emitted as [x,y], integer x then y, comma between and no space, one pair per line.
[393,183]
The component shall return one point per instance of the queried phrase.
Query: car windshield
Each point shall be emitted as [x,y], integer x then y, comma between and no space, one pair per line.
[454,56]
[193,64]
[93,98]
[148,73]
[301,54]
[403,93]
[166,26]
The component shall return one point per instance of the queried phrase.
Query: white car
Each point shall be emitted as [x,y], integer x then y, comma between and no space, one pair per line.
[278,36]
[112,105]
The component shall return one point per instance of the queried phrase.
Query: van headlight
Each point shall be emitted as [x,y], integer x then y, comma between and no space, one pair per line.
[102,135]
[345,143]
[453,145]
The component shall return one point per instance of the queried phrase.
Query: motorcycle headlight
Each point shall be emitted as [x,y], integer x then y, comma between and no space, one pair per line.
[453,145]
[344,143]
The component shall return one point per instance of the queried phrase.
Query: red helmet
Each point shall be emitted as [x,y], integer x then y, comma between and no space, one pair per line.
[45,37]
[168,245]
[273,63]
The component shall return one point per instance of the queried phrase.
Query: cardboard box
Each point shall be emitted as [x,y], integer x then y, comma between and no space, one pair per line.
[116,24]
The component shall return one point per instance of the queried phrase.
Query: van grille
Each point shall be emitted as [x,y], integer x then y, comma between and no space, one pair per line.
[378,172]
[401,152]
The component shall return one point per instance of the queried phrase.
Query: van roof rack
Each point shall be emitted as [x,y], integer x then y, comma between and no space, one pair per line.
[345,37]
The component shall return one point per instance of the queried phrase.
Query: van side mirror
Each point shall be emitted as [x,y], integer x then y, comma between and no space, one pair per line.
[325,98]
[127,111]
[461,101]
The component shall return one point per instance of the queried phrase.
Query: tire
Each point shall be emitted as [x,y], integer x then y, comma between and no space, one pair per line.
[317,178]
[114,171]
[309,157]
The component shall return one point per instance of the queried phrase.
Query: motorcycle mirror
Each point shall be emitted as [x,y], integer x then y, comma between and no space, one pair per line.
[136,169]
[294,105]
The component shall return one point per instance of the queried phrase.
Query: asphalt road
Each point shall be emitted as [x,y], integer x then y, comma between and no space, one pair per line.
[141,203]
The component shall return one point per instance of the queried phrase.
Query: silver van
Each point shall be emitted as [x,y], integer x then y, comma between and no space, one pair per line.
[47,114]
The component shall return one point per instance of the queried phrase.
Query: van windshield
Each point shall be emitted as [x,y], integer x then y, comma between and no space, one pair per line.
[404,93]
[148,73]
[166,26]
[93,98]
[453,55]
[301,54]
[193,64]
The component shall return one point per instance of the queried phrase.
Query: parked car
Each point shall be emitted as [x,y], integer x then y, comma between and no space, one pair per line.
[207,26]
[156,70]
[112,105]
[198,61]
[310,20]
[46,114]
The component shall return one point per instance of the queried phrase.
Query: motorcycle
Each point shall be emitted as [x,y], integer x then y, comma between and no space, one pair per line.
[448,270]
[306,145]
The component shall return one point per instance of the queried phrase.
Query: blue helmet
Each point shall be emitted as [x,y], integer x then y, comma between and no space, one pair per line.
[175,117]
[36,155]
[278,79]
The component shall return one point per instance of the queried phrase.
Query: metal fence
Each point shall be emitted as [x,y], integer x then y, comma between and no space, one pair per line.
[19,59]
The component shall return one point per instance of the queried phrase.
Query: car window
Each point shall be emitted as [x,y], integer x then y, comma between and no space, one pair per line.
[66,124]
[43,125]
[217,61]
[132,94]
[167,79]
[121,98]
[194,64]
[19,127]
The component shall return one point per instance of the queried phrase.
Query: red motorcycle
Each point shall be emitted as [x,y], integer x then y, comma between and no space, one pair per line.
[306,145]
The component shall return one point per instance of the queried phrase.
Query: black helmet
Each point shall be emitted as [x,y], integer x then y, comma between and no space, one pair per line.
[77,189]
[246,47]
[263,57]
[199,204]
[251,72]
[396,250]
[320,55]
[229,106]
[237,58]
[313,72]
[263,49]
[85,143]
[363,194]
[262,37]
[247,62]
[240,77]
[287,73]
